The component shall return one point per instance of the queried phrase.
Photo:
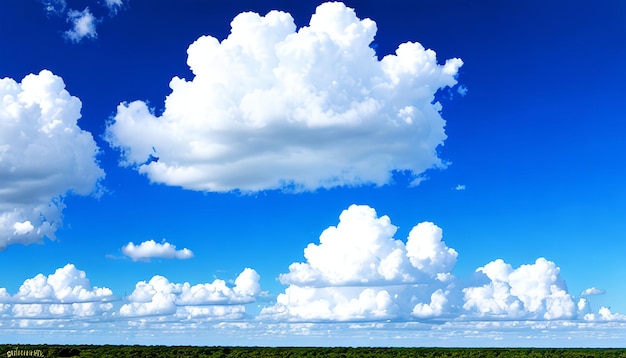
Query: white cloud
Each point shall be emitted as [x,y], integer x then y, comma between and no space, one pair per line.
[427,252]
[65,285]
[344,303]
[150,249]
[43,156]
[64,305]
[605,314]
[360,272]
[274,108]
[438,301]
[160,297]
[23,228]
[534,291]
[114,5]
[459,187]
[83,25]
[65,293]
[361,250]
[54,7]
[462,90]
[592,291]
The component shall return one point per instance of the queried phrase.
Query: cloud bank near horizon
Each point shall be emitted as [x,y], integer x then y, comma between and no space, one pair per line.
[357,273]
[272,107]
[66,297]
[44,156]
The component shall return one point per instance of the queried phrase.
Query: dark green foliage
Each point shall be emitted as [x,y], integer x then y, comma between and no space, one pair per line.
[110,351]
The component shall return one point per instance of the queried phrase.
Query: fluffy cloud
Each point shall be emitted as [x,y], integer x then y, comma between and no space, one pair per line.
[605,314]
[345,303]
[83,25]
[43,156]
[159,297]
[150,249]
[534,291]
[270,107]
[65,285]
[360,272]
[438,302]
[65,293]
[361,250]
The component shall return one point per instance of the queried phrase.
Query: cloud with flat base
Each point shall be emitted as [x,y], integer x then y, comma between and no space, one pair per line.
[275,107]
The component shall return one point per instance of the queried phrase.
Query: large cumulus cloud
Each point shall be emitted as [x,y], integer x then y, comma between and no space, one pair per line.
[43,156]
[360,272]
[361,249]
[272,107]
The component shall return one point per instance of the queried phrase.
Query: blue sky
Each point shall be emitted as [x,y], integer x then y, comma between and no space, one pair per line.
[320,180]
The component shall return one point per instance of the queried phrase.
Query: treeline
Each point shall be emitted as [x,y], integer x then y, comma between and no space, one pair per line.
[113,351]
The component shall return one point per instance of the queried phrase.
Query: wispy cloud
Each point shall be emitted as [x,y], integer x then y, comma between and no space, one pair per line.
[459,187]
[313,108]
[462,90]
[114,5]
[83,25]
[592,291]
[151,249]
[44,155]
[54,7]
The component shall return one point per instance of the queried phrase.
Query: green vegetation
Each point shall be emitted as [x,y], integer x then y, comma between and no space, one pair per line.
[112,351]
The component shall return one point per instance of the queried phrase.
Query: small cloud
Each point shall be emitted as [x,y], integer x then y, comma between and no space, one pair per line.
[459,187]
[114,5]
[149,249]
[462,90]
[54,7]
[592,291]
[83,25]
